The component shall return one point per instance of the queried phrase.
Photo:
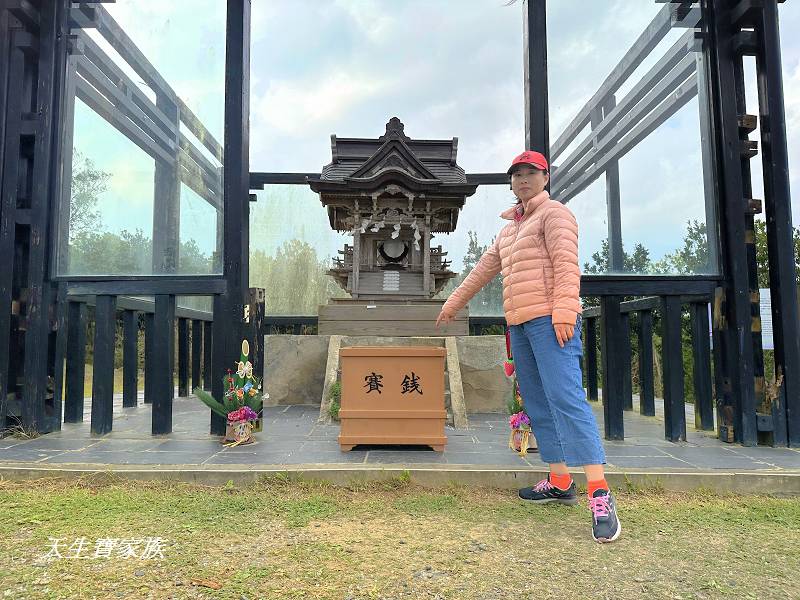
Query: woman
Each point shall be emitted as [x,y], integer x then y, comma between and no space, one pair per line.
[537,252]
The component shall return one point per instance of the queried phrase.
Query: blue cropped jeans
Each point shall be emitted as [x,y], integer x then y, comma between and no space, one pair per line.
[551,385]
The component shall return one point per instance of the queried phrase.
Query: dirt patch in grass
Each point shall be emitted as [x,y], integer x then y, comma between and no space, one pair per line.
[289,539]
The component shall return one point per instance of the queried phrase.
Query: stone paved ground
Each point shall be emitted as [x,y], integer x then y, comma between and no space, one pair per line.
[292,436]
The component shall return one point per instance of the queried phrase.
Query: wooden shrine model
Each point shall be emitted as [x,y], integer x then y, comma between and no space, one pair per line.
[392,194]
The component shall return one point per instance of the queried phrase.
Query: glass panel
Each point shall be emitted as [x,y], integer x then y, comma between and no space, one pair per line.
[291,247]
[364,62]
[639,151]
[145,192]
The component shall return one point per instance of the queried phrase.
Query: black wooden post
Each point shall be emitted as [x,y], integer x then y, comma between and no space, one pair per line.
[167,206]
[105,331]
[76,362]
[590,327]
[616,255]
[197,352]
[647,403]
[183,358]
[149,361]
[672,351]
[625,351]
[738,405]
[611,337]
[749,210]
[207,345]
[537,121]
[777,196]
[49,74]
[163,388]
[218,363]
[59,354]
[256,311]
[229,307]
[130,358]
[13,60]
[701,353]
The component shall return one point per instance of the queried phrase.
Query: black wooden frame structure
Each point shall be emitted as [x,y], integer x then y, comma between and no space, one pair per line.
[47,60]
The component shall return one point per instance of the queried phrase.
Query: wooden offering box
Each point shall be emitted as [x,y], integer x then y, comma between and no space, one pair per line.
[392,395]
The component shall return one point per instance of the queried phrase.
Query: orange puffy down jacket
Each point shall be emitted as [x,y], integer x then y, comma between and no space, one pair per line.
[538,256]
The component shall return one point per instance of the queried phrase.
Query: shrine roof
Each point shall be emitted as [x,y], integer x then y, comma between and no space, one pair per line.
[430,161]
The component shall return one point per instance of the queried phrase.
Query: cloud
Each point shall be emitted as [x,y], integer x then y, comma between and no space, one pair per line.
[371,17]
[294,106]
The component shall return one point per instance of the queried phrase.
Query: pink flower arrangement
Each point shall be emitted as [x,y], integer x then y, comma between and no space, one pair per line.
[245,413]
[520,420]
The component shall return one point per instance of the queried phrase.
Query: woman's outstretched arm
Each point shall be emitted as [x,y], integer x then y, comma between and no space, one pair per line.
[483,272]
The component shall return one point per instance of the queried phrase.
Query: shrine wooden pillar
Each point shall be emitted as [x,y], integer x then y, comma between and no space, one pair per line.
[426,258]
[356,260]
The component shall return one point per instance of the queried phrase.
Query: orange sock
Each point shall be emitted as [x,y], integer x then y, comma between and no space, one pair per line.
[600,484]
[562,482]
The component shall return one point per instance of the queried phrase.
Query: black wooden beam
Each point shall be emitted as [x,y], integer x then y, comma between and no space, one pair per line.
[488,178]
[626,359]
[762,405]
[637,125]
[612,340]
[777,203]
[130,358]
[207,346]
[105,331]
[75,362]
[197,353]
[674,58]
[163,368]
[201,285]
[642,47]
[54,416]
[701,356]
[149,358]
[653,285]
[229,306]
[143,305]
[616,254]
[257,180]
[590,329]
[11,118]
[50,70]
[219,363]
[183,358]
[537,118]
[647,405]
[739,403]
[167,203]
[640,304]
[672,360]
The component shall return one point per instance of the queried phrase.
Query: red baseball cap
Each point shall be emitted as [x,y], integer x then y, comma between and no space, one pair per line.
[530,157]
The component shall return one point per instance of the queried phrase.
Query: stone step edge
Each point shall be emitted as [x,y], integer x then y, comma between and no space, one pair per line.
[428,476]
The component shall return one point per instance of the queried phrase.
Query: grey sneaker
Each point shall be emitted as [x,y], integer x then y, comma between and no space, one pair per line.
[605,524]
[544,492]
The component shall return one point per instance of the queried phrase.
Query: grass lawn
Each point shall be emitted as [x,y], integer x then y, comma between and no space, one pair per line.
[287,539]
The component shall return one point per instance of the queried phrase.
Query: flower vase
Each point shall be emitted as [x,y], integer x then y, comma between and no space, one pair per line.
[239,432]
[518,441]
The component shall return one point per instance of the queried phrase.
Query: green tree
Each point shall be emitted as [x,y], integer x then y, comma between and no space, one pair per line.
[296,279]
[88,183]
[762,257]
[692,257]
[636,262]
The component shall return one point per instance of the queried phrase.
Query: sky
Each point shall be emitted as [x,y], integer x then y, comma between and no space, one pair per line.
[447,69]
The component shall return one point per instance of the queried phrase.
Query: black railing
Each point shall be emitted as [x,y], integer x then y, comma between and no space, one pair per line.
[155,320]
[616,358]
